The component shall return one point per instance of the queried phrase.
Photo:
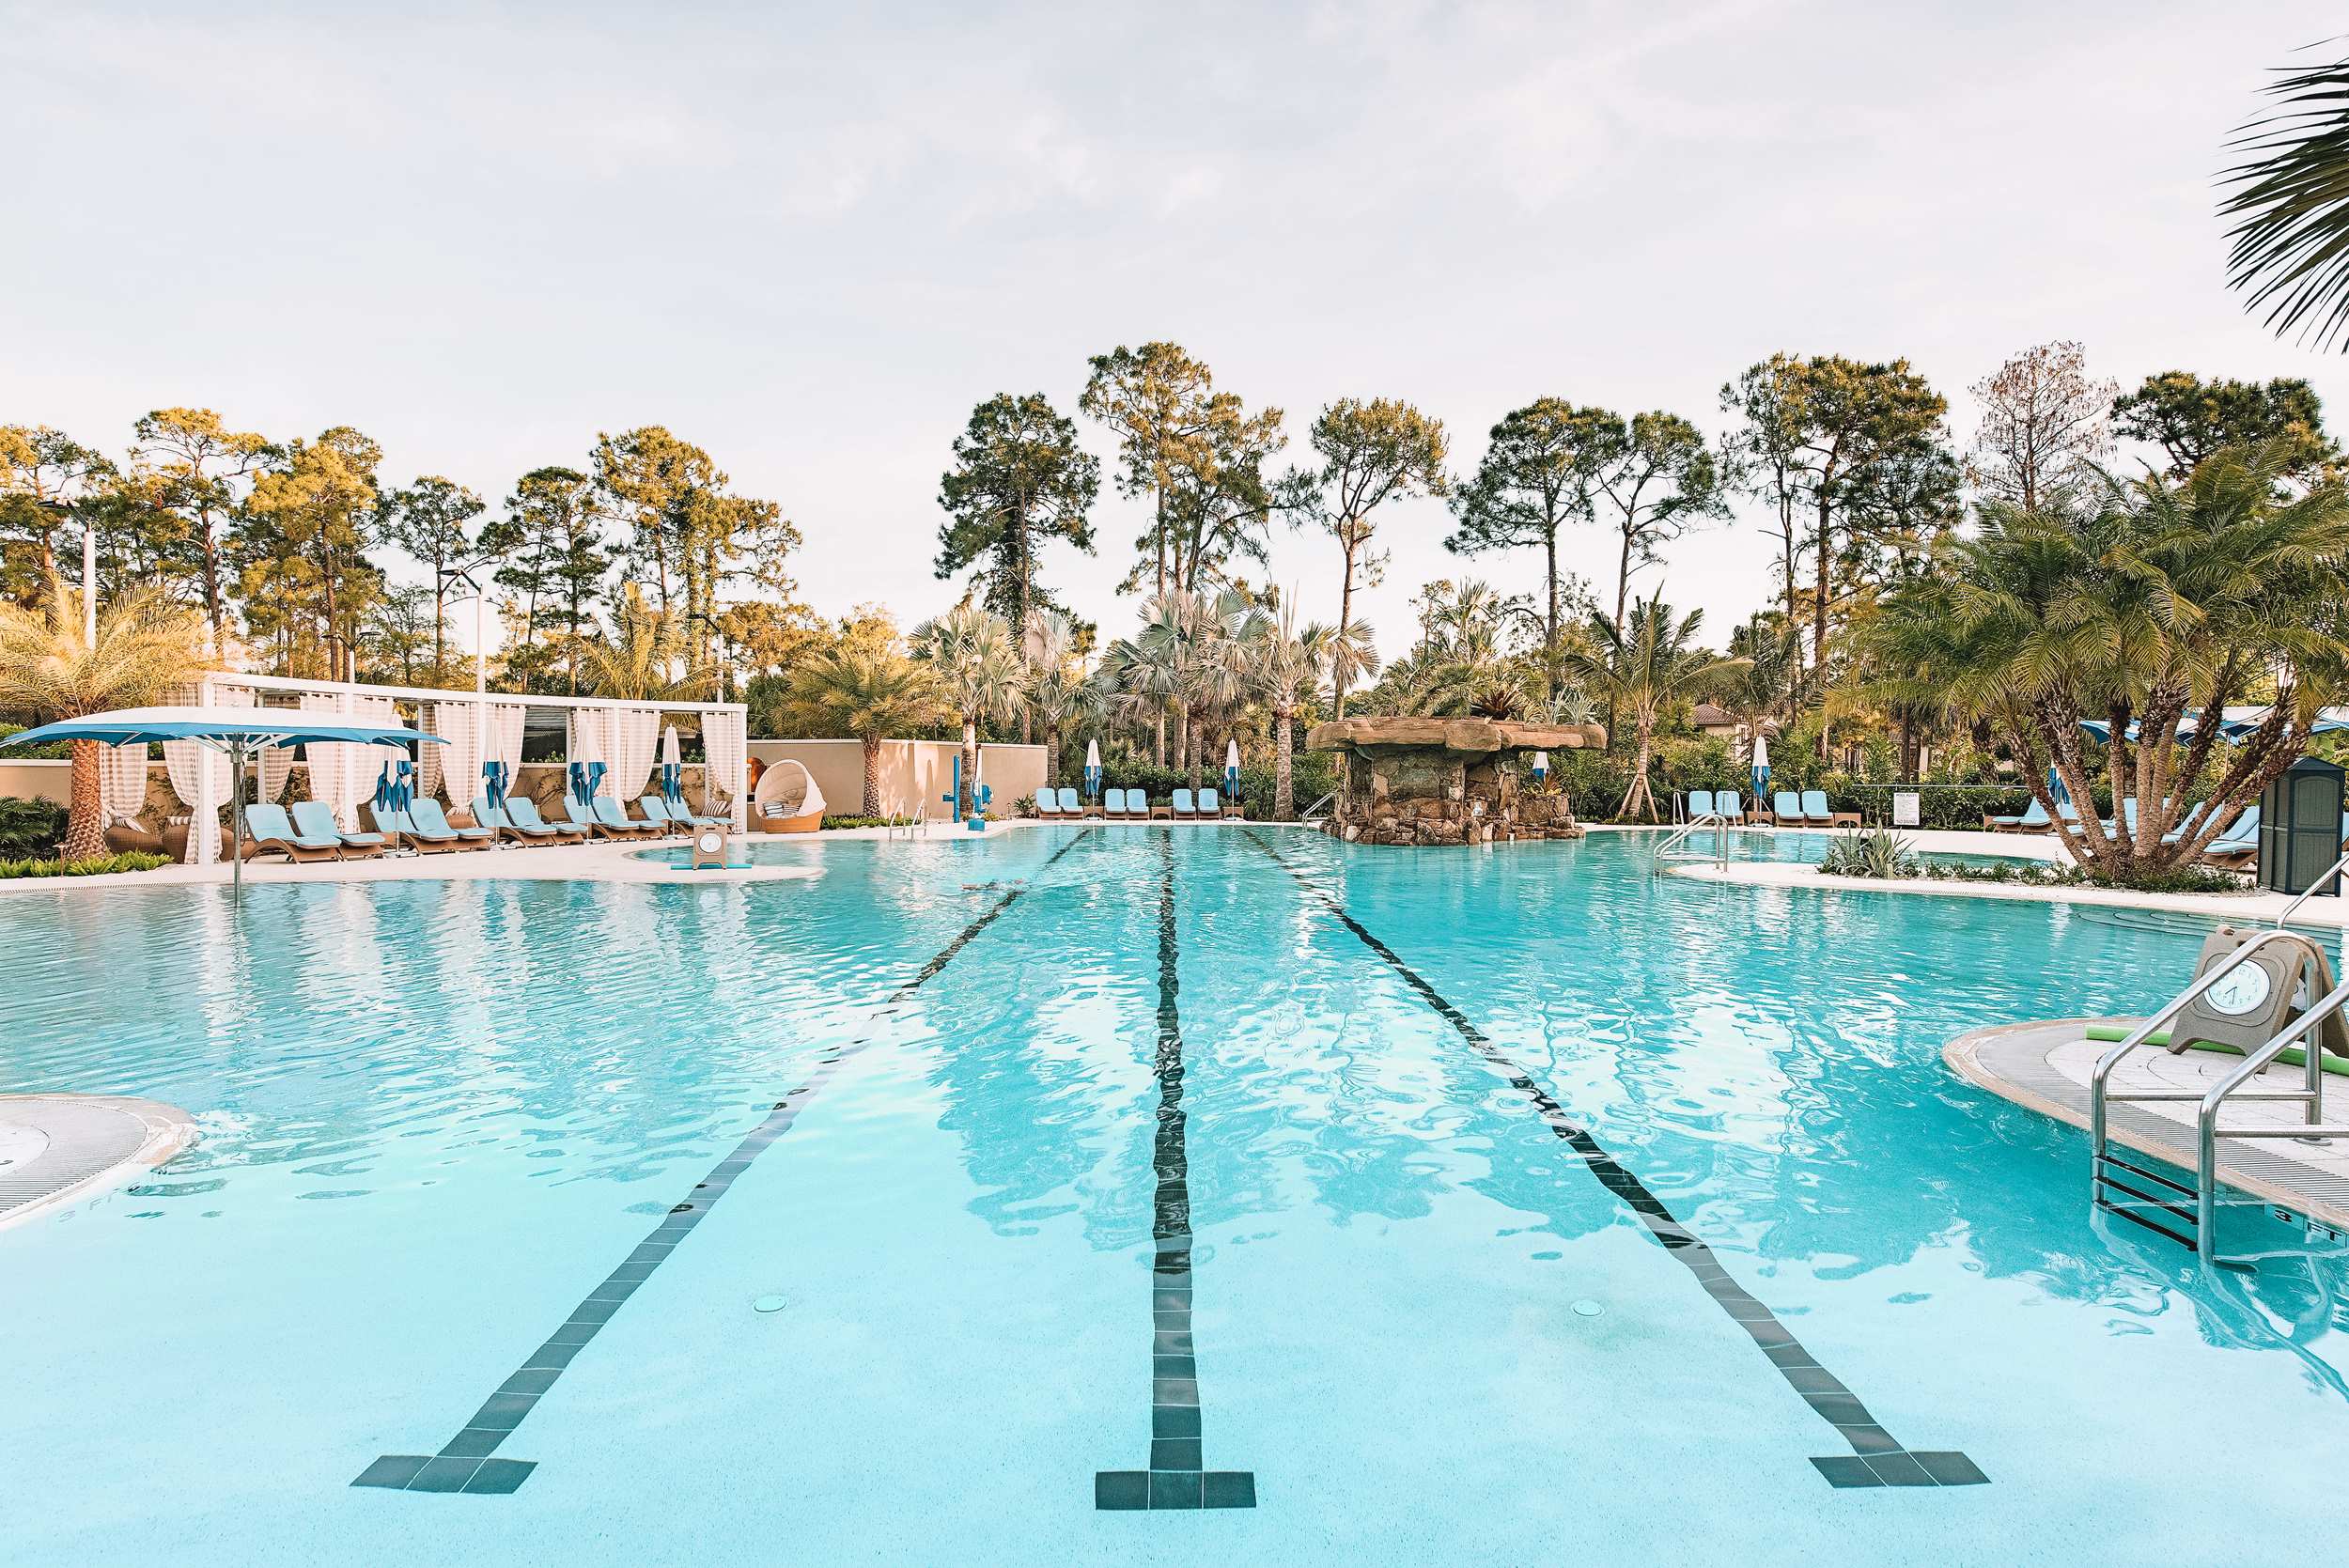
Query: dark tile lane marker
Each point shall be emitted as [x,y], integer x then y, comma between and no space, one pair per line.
[467,1462]
[1178,1476]
[1877,1459]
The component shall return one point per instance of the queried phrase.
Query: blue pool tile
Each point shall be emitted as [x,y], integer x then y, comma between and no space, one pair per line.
[394,1470]
[1120,1491]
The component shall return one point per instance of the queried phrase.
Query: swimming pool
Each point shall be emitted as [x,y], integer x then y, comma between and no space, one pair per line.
[1413,1206]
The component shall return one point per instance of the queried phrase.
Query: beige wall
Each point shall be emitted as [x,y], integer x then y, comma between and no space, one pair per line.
[914,774]
[38,781]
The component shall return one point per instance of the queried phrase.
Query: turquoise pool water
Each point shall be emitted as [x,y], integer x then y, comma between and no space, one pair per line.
[1474,1201]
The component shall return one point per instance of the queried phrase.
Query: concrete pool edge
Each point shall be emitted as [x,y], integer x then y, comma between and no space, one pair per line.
[90,1143]
[2012,1060]
[2255,907]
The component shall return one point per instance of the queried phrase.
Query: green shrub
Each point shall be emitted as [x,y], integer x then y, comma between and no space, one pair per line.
[854,822]
[132,862]
[2046,874]
[29,829]
[1876,853]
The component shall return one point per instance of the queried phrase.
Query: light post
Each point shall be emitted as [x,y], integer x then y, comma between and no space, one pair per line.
[480,617]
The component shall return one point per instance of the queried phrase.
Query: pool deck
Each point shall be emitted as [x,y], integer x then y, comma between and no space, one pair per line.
[57,1149]
[2046,1065]
[2328,914]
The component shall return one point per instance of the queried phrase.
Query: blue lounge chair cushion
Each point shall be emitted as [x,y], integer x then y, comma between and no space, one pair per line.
[265,821]
[1113,802]
[612,815]
[1815,806]
[1728,803]
[1182,804]
[1069,805]
[1786,803]
[1700,804]
[315,819]
[1209,804]
[425,812]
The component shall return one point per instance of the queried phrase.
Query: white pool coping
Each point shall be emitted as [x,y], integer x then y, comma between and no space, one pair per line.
[71,1146]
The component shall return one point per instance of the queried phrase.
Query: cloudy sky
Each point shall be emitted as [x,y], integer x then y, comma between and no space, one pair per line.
[811,242]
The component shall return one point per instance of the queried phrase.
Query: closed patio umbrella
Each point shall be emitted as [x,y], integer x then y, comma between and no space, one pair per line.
[238,731]
[1092,767]
[671,768]
[1231,768]
[1761,768]
[587,765]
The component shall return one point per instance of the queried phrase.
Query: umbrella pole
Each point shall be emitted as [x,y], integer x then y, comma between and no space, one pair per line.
[236,818]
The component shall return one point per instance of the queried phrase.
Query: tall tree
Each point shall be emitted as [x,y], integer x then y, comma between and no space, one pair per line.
[1761,455]
[869,691]
[2191,418]
[307,527]
[45,475]
[1371,453]
[198,471]
[641,655]
[551,550]
[1288,663]
[50,670]
[684,527]
[431,520]
[1657,479]
[2044,425]
[1536,477]
[1155,400]
[1057,690]
[1221,503]
[975,659]
[1019,478]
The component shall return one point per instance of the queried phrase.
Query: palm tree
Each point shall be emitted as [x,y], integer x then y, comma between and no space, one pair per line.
[639,655]
[1215,683]
[2131,612]
[1652,661]
[1286,665]
[976,661]
[50,670]
[2292,197]
[868,692]
[1058,691]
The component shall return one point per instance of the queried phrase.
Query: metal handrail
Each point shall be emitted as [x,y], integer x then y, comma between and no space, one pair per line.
[2097,1092]
[2309,891]
[1681,834]
[2208,1132]
[1306,815]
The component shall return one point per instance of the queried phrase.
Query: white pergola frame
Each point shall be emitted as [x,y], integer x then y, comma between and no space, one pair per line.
[214,680]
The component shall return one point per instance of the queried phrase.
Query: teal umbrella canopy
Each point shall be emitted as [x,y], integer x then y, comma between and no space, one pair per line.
[252,727]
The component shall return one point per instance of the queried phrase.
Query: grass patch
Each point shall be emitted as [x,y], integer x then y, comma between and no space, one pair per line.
[854,822]
[134,861]
[2040,873]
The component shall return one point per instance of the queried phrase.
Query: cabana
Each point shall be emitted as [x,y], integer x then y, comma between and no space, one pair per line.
[484,731]
[787,800]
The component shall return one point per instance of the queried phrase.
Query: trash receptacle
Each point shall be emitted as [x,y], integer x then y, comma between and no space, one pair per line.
[2300,826]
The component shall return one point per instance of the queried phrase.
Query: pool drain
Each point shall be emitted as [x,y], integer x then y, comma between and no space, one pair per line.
[768,1304]
[1587,1308]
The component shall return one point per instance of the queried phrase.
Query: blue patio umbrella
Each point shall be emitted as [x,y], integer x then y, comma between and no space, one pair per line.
[2062,796]
[237,731]
[493,783]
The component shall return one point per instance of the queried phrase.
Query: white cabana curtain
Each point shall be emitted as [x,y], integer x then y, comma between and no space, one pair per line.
[199,776]
[331,764]
[122,780]
[429,760]
[459,724]
[276,765]
[633,743]
[503,742]
[723,745]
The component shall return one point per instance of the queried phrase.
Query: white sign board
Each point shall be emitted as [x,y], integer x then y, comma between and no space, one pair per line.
[1904,808]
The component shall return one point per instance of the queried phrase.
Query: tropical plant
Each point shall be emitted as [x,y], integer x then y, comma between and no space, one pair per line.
[1654,660]
[1878,853]
[2157,602]
[870,691]
[1058,692]
[50,670]
[642,656]
[2291,196]
[976,662]
[1287,664]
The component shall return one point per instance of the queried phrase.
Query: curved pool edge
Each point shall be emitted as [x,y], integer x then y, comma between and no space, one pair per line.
[85,1150]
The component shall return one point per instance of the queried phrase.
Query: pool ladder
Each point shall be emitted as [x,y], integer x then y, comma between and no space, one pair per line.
[2163,1209]
[1669,850]
[1307,817]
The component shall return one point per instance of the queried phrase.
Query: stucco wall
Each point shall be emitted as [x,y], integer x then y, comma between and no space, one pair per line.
[914,774]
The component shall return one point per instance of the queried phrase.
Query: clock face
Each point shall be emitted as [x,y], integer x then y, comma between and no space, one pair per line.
[2244,987]
[711,842]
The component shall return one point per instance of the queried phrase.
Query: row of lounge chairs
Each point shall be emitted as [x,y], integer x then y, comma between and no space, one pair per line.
[1133,805]
[306,830]
[1788,808]
[2234,849]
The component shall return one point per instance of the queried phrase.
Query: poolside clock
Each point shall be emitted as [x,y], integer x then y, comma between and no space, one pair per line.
[2258,999]
[709,848]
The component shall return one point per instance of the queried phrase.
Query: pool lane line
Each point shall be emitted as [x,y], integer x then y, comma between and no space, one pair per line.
[468,1461]
[1877,1459]
[1178,1477]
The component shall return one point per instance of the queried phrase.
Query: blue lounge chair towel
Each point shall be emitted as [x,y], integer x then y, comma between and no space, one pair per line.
[1785,806]
[1182,804]
[1729,804]
[1700,804]
[1814,808]
[1070,804]
[1113,802]
[425,813]
[1210,803]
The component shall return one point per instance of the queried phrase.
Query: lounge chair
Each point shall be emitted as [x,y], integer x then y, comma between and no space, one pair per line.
[1729,806]
[1112,804]
[2239,845]
[1698,802]
[1182,810]
[585,817]
[522,815]
[1071,809]
[682,817]
[314,819]
[1815,811]
[402,829]
[268,832]
[426,813]
[1787,809]
[498,820]
[610,815]
[1211,806]
[2033,821]
[1047,804]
